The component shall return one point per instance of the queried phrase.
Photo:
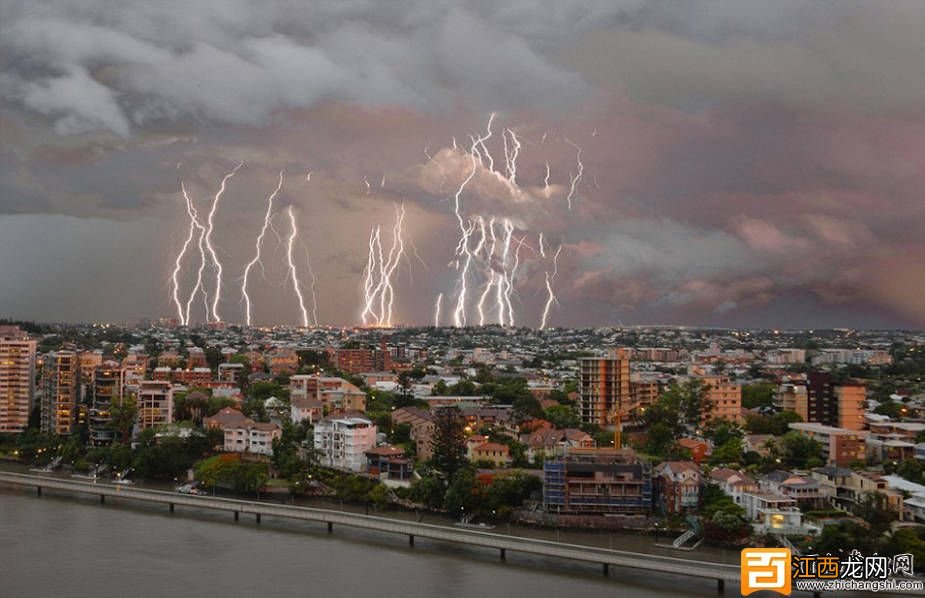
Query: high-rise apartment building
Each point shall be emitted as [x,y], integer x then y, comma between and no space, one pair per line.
[61,374]
[723,398]
[106,387]
[837,405]
[155,403]
[604,386]
[17,378]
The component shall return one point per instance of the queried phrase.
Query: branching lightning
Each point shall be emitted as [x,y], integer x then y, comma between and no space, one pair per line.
[550,297]
[573,183]
[437,308]
[210,226]
[293,272]
[193,225]
[194,221]
[378,288]
[257,247]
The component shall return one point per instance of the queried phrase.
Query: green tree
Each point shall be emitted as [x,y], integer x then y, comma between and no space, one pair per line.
[758,395]
[231,472]
[449,441]
[729,452]
[891,409]
[464,493]
[797,450]
[562,416]
[429,491]
[906,540]
[124,412]
[841,537]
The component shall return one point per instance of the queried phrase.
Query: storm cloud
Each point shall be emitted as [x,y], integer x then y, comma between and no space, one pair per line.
[745,163]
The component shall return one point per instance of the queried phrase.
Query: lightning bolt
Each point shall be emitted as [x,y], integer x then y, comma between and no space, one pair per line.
[379,274]
[437,310]
[257,247]
[210,225]
[510,155]
[546,190]
[504,284]
[179,261]
[293,233]
[573,183]
[463,252]
[369,282]
[311,274]
[491,280]
[194,219]
[551,297]
[512,277]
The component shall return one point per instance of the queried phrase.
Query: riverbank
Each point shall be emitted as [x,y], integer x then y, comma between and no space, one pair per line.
[600,539]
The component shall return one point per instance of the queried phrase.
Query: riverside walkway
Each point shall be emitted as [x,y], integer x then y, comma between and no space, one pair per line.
[721,573]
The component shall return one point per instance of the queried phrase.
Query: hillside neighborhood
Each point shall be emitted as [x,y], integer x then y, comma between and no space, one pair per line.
[732,437]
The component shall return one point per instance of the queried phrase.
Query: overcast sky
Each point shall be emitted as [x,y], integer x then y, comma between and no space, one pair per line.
[743,163]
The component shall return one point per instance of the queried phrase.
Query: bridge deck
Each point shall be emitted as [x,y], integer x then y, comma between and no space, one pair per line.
[617,558]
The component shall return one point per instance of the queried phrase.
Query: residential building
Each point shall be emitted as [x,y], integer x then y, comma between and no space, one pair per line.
[17,379]
[305,409]
[388,463]
[604,386]
[422,427]
[808,492]
[196,358]
[699,449]
[283,362]
[155,404]
[602,481]
[722,398]
[850,399]
[770,512]
[59,397]
[343,442]
[677,486]
[168,358]
[106,387]
[358,361]
[88,361]
[334,394]
[249,436]
[228,417]
[839,406]
[548,442]
[854,357]
[499,455]
[643,392]
[231,373]
[734,483]
[793,396]
[786,356]
[840,445]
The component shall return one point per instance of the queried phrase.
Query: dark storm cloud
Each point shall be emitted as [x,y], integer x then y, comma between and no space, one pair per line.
[742,159]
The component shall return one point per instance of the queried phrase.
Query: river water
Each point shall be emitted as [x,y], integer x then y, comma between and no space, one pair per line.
[63,545]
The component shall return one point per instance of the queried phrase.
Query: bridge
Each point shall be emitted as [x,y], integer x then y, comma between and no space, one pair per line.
[605,558]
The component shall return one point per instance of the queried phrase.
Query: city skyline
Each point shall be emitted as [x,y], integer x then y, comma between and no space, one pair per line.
[710,165]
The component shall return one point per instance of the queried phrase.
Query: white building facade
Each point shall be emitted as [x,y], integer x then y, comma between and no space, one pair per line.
[342,442]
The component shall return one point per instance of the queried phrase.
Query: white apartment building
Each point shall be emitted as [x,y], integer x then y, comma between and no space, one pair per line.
[155,403]
[342,442]
[252,437]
